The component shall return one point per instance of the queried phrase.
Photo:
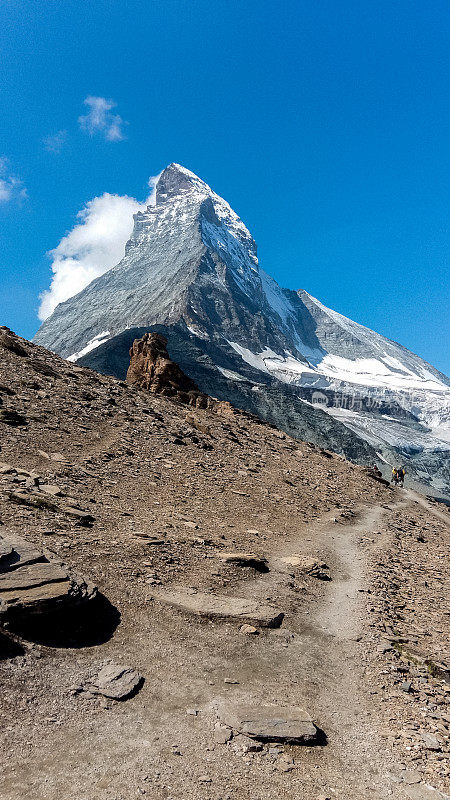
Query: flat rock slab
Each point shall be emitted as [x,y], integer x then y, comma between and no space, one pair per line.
[31,575]
[271,723]
[217,606]
[16,552]
[33,583]
[116,681]
[424,792]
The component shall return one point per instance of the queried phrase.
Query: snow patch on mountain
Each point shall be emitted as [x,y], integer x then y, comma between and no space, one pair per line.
[96,341]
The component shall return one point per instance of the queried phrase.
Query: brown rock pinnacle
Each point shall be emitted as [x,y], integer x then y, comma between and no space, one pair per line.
[151,368]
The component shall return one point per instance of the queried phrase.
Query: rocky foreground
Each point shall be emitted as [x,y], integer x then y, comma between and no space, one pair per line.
[243,614]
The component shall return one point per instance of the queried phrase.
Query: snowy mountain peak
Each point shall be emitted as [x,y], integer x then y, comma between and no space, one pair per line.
[175,180]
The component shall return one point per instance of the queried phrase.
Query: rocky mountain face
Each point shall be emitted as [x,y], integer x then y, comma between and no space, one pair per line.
[191,272]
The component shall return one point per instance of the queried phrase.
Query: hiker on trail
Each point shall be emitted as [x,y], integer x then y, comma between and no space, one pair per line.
[401,475]
[394,478]
[376,471]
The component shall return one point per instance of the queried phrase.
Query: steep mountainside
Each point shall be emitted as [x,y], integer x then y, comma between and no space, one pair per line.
[191,271]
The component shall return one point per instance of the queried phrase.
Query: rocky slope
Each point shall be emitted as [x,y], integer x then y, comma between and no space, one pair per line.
[255,621]
[191,272]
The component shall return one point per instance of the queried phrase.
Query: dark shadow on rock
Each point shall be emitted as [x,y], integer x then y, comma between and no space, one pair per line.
[87,625]
[258,566]
[9,648]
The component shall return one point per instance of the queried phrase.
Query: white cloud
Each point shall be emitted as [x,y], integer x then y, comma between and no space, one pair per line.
[55,142]
[94,245]
[11,187]
[100,119]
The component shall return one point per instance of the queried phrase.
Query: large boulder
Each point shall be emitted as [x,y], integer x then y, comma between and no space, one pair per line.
[32,583]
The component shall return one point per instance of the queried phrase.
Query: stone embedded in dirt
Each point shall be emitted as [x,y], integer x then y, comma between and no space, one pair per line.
[6,469]
[271,723]
[314,567]
[216,606]
[222,733]
[431,742]
[249,630]
[424,792]
[31,583]
[58,457]
[26,499]
[285,763]
[82,517]
[411,776]
[50,488]
[116,681]
[244,560]
[51,503]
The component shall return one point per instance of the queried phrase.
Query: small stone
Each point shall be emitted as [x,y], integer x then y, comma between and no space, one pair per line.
[192,712]
[285,763]
[204,779]
[6,469]
[230,681]
[58,457]
[115,681]
[222,734]
[52,489]
[430,741]
[411,776]
[249,630]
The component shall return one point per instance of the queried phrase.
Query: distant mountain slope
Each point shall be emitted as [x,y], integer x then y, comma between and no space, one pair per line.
[191,267]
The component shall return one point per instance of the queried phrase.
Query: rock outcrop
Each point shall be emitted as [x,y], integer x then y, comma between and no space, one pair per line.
[32,583]
[152,368]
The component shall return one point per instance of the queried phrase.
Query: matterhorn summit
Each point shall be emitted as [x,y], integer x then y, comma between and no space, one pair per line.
[191,271]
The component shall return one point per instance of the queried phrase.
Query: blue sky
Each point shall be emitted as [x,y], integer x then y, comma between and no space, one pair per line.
[324,124]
